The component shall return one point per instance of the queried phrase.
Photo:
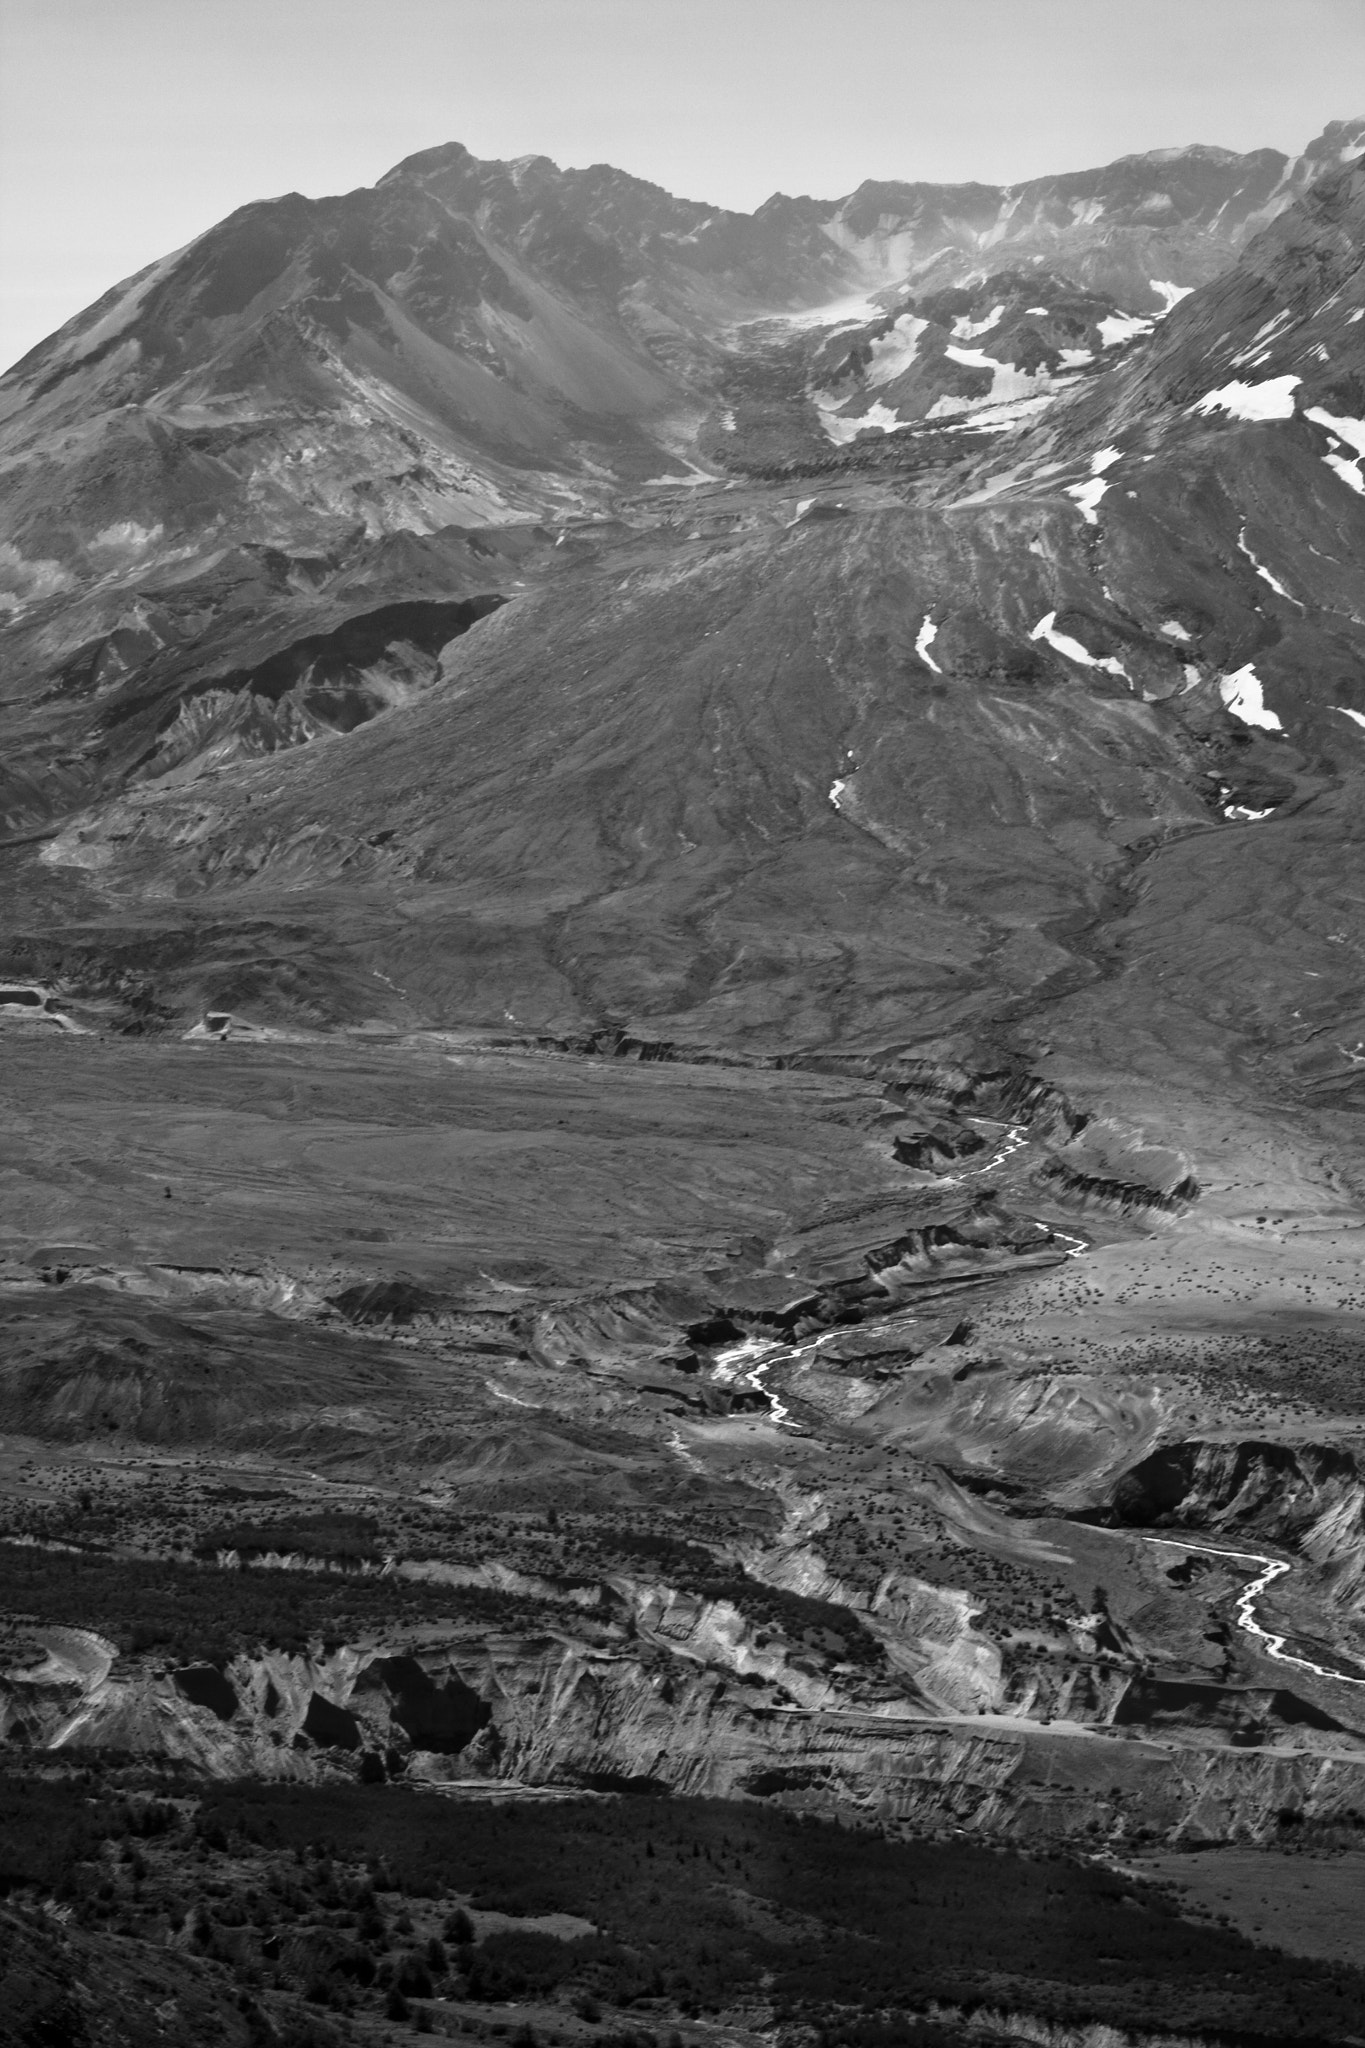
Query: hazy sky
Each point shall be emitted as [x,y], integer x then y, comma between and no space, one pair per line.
[128,126]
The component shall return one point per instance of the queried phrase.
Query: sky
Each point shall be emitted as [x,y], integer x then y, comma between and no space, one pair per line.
[127,127]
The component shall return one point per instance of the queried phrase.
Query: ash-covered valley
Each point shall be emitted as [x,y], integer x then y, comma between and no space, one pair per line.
[680,1030]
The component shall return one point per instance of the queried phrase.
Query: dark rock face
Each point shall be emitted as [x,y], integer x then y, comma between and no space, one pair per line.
[442,1718]
[330,1726]
[205,1686]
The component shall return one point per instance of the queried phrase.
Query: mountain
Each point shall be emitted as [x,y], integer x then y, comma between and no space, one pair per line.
[682,1006]
[465,341]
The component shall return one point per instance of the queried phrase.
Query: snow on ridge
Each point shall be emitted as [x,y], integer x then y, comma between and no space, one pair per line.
[1271,399]
[1244,696]
[1046,629]
[928,633]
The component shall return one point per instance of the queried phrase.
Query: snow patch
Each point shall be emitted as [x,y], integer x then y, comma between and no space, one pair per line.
[1046,629]
[967,329]
[1272,399]
[27,579]
[1120,327]
[1243,695]
[992,419]
[1240,812]
[836,790]
[893,353]
[1262,571]
[727,421]
[1171,293]
[841,430]
[1268,327]
[126,533]
[1007,383]
[1072,358]
[928,633]
[1173,629]
[1352,432]
[1346,712]
[1088,495]
[851,312]
[1341,424]
[1348,471]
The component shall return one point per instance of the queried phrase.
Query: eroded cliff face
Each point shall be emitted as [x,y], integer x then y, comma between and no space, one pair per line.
[678,1693]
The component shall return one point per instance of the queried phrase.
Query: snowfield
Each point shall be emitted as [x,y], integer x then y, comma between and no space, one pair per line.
[1352,432]
[1088,495]
[1120,327]
[1046,629]
[1262,571]
[928,633]
[1272,399]
[893,354]
[1244,697]
[967,329]
[840,430]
